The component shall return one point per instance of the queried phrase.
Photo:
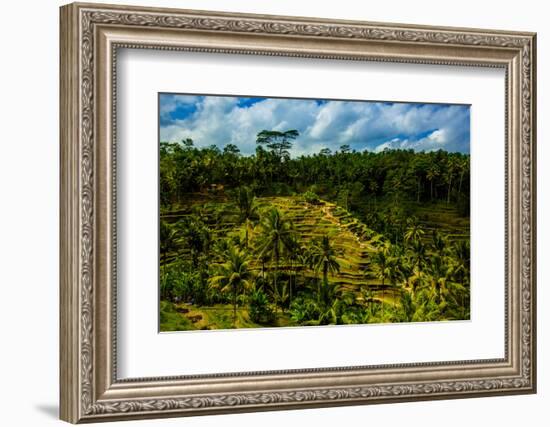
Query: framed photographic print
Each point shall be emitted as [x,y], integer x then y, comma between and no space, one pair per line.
[265,212]
[264,222]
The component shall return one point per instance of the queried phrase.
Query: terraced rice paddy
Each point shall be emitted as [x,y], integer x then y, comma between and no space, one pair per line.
[351,238]
[311,221]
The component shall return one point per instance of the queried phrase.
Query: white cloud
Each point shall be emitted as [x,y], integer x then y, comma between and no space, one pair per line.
[363,125]
[394,144]
[438,136]
[434,141]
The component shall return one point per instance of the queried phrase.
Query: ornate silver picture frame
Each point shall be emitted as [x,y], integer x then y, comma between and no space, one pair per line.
[91,35]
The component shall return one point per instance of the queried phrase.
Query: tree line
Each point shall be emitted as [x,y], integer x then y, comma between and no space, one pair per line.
[346,175]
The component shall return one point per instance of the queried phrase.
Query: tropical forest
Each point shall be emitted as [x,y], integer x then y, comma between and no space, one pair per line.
[269,239]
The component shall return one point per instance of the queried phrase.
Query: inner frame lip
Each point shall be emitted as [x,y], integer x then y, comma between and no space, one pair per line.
[339,370]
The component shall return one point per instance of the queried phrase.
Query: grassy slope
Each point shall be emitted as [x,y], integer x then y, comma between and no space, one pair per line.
[349,236]
[444,218]
[186,317]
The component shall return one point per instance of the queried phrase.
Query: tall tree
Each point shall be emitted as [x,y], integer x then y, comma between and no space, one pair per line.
[276,237]
[418,249]
[438,276]
[431,175]
[380,261]
[278,142]
[248,209]
[168,240]
[197,236]
[231,149]
[187,143]
[463,168]
[414,231]
[461,260]
[293,254]
[345,148]
[233,276]
[449,175]
[323,258]
[440,243]
[461,266]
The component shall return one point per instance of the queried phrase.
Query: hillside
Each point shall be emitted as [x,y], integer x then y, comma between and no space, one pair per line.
[311,221]
[351,238]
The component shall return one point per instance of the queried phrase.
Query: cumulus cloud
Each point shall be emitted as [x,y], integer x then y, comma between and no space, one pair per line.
[373,126]
[433,141]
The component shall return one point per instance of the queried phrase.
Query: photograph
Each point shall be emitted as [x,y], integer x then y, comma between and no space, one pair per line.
[280,212]
[263,210]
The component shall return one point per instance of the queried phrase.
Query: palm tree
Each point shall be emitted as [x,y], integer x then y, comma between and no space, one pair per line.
[197,236]
[461,266]
[168,241]
[276,237]
[396,184]
[373,188]
[395,270]
[293,254]
[323,258]
[248,209]
[422,164]
[439,243]
[332,302]
[416,281]
[414,231]
[233,276]
[438,277]
[431,175]
[408,307]
[380,260]
[463,167]
[449,175]
[263,259]
[461,260]
[419,254]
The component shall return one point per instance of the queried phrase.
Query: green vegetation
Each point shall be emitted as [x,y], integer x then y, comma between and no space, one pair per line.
[332,238]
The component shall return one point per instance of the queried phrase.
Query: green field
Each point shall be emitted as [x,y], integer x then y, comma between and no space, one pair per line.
[280,212]
[354,244]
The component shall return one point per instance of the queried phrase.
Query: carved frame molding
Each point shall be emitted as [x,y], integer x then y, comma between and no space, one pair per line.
[90,37]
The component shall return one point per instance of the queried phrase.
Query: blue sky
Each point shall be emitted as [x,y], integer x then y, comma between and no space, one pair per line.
[364,125]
